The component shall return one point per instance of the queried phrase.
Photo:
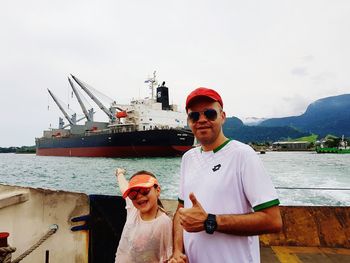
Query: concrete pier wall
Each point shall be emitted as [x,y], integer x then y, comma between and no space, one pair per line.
[312,226]
[27,214]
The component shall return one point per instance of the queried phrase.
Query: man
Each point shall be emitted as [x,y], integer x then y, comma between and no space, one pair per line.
[226,198]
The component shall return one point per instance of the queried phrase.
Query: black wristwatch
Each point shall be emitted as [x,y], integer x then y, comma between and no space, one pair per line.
[210,224]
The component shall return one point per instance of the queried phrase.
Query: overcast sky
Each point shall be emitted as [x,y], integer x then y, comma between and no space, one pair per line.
[266,58]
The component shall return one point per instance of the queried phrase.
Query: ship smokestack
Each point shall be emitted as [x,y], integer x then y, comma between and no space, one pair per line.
[163,96]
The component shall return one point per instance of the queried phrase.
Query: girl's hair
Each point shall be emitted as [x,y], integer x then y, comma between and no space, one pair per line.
[160,205]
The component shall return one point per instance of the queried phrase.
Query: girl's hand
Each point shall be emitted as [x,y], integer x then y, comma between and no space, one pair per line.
[178,257]
[122,182]
[120,171]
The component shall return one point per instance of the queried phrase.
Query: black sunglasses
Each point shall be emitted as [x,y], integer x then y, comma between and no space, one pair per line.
[210,114]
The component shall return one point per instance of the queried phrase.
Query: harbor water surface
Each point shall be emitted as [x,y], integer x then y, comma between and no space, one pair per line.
[291,170]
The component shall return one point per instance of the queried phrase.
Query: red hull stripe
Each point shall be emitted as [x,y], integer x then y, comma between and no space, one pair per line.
[120,151]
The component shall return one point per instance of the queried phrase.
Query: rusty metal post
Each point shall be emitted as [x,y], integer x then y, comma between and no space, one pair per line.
[3,239]
[5,250]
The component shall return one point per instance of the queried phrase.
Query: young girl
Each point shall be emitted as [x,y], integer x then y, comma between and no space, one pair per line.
[147,233]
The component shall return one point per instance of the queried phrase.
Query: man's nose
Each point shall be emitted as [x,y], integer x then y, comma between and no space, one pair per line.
[202,117]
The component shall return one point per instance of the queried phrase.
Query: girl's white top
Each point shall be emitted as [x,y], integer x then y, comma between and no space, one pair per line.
[144,241]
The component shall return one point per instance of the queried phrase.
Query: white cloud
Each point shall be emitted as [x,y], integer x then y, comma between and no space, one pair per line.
[300,71]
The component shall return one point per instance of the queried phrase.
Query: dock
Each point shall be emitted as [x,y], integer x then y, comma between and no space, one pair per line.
[90,226]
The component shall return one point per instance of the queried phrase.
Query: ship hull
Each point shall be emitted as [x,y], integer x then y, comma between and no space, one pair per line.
[150,143]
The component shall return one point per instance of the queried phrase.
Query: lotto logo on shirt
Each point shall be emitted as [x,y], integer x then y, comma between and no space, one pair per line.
[216,167]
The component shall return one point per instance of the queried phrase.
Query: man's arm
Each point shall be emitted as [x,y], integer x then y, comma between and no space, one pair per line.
[267,220]
[178,245]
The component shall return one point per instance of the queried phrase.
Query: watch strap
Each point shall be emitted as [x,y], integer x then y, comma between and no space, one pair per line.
[211,217]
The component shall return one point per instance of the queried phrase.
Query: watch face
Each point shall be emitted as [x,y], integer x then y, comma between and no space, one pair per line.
[210,225]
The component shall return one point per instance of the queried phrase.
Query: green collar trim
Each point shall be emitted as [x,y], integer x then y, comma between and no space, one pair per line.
[266,205]
[220,146]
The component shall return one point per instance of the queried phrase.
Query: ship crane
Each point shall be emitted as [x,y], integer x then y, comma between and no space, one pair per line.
[109,112]
[88,115]
[73,120]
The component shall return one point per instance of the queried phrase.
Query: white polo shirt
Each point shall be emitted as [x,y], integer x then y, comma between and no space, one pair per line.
[229,180]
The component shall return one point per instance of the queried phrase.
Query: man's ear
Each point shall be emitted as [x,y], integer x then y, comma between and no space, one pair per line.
[223,116]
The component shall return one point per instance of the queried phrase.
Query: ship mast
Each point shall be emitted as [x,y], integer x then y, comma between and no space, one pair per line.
[72,120]
[95,99]
[88,115]
[152,82]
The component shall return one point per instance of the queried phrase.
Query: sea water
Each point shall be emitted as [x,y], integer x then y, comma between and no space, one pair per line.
[291,170]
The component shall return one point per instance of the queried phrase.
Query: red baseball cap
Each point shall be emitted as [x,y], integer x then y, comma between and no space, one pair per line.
[204,92]
[140,181]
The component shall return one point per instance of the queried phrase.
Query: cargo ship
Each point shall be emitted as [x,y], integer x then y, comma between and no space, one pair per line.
[148,127]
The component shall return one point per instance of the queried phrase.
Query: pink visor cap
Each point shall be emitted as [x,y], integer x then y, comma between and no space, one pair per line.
[140,181]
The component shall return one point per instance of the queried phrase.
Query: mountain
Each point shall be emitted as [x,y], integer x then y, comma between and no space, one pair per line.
[330,115]
[233,123]
[234,128]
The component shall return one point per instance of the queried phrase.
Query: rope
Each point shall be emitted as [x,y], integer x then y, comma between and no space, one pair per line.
[35,246]
[315,188]
[5,254]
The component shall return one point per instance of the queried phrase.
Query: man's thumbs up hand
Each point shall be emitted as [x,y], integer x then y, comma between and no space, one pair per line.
[194,200]
[192,219]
